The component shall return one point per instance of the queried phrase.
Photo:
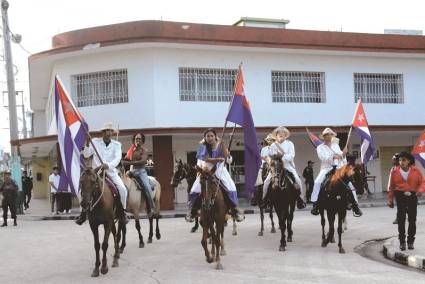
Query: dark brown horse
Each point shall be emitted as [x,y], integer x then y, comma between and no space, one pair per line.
[333,199]
[212,220]
[97,198]
[283,196]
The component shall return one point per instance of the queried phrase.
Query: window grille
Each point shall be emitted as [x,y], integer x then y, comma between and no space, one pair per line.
[378,88]
[208,85]
[298,87]
[101,88]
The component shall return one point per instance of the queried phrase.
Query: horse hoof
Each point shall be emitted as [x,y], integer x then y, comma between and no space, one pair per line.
[282,248]
[158,236]
[121,250]
[289,239]
[141,245]
[193,230]
[115,263]
[341,250]
[219,266]
[324,243]
[149,241]
[234,233]
[273,230]
[222,252]
[210,259]
[104,270]
[95,273]
[260,234]
[332,241]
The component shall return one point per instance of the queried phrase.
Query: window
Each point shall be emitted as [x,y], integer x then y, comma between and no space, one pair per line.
[378,88]
[298,87]
[208,85]
[100,88]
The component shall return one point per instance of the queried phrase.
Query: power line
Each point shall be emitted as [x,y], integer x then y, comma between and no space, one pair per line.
[19,43]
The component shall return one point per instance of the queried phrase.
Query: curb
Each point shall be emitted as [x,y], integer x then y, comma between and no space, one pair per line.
[412,260]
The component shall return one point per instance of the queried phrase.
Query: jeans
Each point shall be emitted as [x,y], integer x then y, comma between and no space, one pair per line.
[406,204]
[142,176]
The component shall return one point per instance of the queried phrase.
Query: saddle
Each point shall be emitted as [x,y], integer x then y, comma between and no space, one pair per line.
[327,180]
[112,186]
[139,183]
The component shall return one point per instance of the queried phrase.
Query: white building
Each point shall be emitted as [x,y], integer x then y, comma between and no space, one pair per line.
[172,80]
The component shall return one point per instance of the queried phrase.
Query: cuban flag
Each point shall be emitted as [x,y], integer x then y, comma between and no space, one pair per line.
[419,150]
[367,149]
[71,130]
[240,113]
[315,141]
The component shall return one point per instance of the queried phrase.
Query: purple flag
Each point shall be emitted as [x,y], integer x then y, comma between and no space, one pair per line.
[240,114]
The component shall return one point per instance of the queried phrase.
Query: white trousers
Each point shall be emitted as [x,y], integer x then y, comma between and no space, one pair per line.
[222,174]
[297,181]
[116,179]
[318,183]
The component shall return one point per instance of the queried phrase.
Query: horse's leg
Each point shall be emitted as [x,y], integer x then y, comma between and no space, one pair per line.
[194,228]
[107,228]
[282,226]
[260,233]
[213,242]
[137,220]
[157,233]
[345,223]
[124,236]
[340,220]
[116,245]
[323,222]
[331,221]
[234,232]
[273,230]
[204,243]
[289,221]
[95,230]
[222,251]
[150,230]
[219,266]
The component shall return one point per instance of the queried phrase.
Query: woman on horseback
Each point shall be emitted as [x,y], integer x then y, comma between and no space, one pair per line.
[331,158]
[285,148]
[212,153]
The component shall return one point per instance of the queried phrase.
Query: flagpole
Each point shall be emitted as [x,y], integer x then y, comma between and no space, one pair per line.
[351,127]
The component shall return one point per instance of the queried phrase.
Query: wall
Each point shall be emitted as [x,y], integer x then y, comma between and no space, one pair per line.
[41,187]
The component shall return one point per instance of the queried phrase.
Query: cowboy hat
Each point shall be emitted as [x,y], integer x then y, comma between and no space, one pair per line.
[281,129]
[327,130]
[107,126]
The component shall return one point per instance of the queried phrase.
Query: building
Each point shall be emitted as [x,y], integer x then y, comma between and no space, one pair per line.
[173,80]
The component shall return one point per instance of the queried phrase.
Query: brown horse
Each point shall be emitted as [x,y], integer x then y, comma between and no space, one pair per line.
[136,205]
[97,198]
[213,211]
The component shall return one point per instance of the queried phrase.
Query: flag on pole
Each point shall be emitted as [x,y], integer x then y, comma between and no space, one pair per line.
[419,150]
[315,141]
[360,125]
[71,130]
[240,114]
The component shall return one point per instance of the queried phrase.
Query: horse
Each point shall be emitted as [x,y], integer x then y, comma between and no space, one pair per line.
[97,198]
[264,205]
[283,196]
[136,205]
[333,199]
[213,211]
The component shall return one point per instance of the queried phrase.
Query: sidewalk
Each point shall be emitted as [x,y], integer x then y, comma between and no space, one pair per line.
[40,208]
[413,258]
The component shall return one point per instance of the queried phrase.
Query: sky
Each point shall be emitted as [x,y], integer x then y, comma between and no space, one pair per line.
[38,20]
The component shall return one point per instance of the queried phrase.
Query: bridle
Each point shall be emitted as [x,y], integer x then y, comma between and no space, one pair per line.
[92,204]
[208,199]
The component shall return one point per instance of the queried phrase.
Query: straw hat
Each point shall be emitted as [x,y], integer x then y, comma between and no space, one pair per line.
[281,129]
[107,126]
[327,131]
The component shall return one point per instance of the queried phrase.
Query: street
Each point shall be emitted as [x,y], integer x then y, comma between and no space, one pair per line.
[60,251]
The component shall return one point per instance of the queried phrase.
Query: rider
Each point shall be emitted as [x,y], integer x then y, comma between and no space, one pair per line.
[110,153]
[285,148]
[331,158]
[211,152]
[137,157]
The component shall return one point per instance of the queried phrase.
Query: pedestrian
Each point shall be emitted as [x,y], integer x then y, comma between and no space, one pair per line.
[9,189]
[395,163]
[309,179]
[406,185]
[27,188]
[54,185]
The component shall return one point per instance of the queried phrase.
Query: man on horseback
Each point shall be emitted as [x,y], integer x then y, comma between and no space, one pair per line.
[331,158]
[137,157]
[284,148]
[110,153]
[212,154]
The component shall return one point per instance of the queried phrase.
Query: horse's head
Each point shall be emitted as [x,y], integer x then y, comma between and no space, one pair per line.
[179,174]
[209,186]
[359,179]
[279,173]
[89,184]
[342,176]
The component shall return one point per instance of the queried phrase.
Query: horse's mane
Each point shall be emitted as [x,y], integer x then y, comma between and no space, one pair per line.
[340,174]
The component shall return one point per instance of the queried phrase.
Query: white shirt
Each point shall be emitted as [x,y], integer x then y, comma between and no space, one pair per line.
[289,152]
[326,153]
[404,174]
[110,154]
[55,180]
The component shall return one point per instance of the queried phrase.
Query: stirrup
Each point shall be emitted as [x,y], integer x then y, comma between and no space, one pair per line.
[315,210]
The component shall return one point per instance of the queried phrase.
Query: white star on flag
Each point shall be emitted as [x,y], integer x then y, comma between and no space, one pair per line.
[360,117]
[422,143]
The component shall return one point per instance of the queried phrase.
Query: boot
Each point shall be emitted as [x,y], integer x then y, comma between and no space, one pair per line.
[4,223]
[356,210]
[190,216]
[395,221]
[300,203]
[410,246]
[315,210]
[14,222]
[82,218]
[121,213]
[402,246]
[238,214]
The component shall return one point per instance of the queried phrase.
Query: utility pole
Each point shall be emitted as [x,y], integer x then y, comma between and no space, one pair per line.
[15,163]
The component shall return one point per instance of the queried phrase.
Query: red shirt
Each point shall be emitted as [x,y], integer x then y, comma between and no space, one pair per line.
[415,182]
